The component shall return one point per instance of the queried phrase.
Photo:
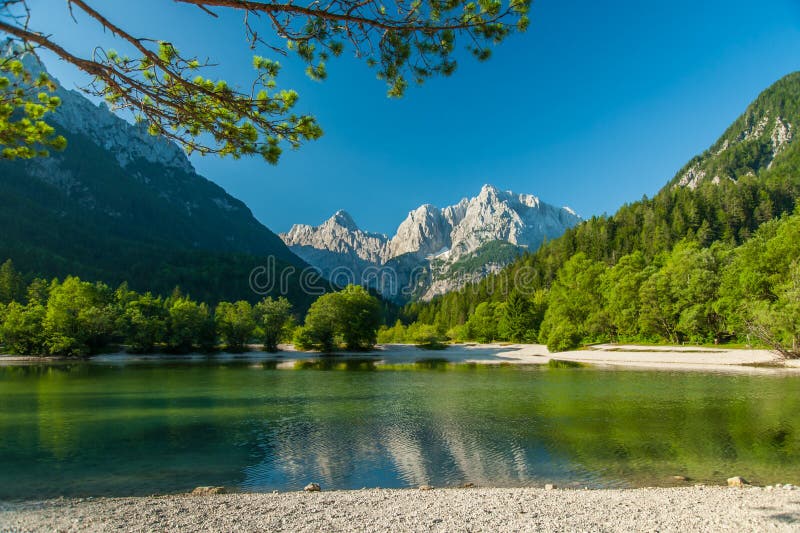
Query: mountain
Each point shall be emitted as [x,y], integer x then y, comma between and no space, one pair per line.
[753,142]
[433,250]
[121,205]
[748,177]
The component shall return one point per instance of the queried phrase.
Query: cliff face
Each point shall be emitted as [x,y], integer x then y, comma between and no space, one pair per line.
[434,250]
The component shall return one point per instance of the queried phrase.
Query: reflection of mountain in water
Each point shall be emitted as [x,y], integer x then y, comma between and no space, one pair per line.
[406,440]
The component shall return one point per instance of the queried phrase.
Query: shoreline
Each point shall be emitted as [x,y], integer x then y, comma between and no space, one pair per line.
[698,508]
[611,356]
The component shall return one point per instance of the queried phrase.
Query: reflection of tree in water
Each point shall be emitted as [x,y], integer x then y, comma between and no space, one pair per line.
[95,429]
[701,426]
[92,430]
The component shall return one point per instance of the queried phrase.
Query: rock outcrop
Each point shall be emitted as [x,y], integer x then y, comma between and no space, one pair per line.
[432,247]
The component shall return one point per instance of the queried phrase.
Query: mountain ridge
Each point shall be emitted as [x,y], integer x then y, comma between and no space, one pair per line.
[121,205]
[431,238]
[752,143]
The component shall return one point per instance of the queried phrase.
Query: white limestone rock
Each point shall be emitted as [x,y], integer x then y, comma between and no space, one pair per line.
[430,240]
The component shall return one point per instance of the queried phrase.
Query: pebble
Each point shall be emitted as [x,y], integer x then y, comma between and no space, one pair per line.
[737,481]
[711,508]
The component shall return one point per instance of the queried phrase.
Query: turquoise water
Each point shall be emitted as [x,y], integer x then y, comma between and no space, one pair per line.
[134,429]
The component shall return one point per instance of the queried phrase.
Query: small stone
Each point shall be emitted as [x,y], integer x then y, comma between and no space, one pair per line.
[312,487]
[274,492]
[425,487]
[205,491]
[737,481]
[550,486]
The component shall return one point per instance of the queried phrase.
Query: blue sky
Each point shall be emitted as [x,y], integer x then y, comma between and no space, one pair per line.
[596,105]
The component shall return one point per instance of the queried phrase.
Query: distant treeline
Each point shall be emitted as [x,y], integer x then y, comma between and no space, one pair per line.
[78,318]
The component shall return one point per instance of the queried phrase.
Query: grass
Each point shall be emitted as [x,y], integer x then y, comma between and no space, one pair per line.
[633,350]
[754,345]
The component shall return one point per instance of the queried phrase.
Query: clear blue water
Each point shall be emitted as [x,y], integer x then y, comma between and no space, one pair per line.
[99,429]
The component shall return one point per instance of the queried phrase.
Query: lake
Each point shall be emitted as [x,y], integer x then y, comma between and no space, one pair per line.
[91,429]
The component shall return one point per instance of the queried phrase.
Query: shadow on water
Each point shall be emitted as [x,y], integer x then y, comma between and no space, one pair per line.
[560,363]
[351,365]
[432,364]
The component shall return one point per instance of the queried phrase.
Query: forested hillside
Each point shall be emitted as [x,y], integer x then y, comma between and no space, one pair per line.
[121,205]
[667,253]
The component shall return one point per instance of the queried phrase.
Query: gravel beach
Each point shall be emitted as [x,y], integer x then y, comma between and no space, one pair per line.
[473,509]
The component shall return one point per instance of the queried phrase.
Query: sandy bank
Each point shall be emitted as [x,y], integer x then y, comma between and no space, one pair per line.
[604,355]
[680,358]
[656,509]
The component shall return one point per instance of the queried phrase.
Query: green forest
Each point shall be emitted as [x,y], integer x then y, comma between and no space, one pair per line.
[75,318]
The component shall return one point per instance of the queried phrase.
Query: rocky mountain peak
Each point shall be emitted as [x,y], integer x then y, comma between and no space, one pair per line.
[343,219]
[430,234]
[424,231]
[78,115]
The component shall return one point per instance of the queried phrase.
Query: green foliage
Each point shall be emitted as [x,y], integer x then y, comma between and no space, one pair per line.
[24,102]
[392,335]
[360,316]
[79,318]
[422,335]
[677,300]
[144,323]
[620,288]
[426,336]
[256,122]
[321,325]
[21,330]
[521,317]
[482,325]
[12,284]
[236,324]
[273,318]
[575,309]
[760,288]
[190,326]
[303,339]
[458,333]
[350,317]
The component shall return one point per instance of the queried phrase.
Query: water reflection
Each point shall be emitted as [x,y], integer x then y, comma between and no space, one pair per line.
[140,429]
